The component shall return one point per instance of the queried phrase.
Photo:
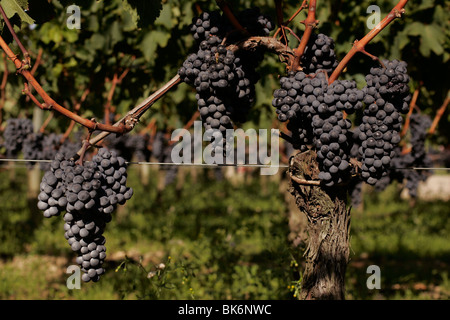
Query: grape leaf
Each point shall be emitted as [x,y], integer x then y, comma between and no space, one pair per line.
[12,7]
[143,13]
[431,37]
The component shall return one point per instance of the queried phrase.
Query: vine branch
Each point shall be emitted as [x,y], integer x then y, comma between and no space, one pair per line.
[305,182]
[133,116]
[75,109]
[269,43]
[408,115]
[439,115]
[3,86]
[310,23]
[25,53]
[49,103]
[114,82]
[359,45]
[285,23]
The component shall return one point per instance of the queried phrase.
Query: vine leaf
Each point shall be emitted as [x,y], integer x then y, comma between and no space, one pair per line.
[143,13]
[431,37]
[18,7]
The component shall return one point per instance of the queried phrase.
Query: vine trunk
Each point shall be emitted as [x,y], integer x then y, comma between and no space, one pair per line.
[328,225]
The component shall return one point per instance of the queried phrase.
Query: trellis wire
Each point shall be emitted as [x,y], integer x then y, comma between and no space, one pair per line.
[208,165]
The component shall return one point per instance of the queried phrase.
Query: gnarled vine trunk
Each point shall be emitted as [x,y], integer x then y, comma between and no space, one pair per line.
[328,227]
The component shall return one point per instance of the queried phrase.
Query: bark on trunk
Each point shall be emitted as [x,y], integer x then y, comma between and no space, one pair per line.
[328,227]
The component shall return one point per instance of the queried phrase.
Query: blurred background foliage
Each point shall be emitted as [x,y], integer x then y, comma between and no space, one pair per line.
[215,243]
[152,39]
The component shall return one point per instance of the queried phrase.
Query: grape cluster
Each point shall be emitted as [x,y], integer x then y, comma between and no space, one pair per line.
[224,80]
[88,193]
[319,54]
[214,24]
[32,148]
[49,147]
[386,98]
[19,136]
[402,164]
[331,132]
[419,125]
[127,146]
[206,25]
[16,131]
[314,110]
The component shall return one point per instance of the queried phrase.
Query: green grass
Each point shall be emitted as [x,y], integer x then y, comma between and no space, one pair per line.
[219,240]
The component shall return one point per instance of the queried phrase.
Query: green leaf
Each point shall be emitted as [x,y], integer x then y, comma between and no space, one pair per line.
[414,29]
[143,13]
[12,7]
[151,42]
[432,37]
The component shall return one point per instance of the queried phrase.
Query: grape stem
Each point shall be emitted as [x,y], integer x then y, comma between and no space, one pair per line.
[85,147]
[439,115]
[49,103]
[411,109]
[30,95]
[279,10]
[285,23]
[37,62]
[114,82]
[293,33]
[3,87]
[305,182]
[46,122]
[359,45]
[286,137]
[186,127]
[26,55]
[76,109]
[133,116]
[310,23]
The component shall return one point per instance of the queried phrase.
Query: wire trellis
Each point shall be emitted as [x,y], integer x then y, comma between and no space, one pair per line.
[24,161]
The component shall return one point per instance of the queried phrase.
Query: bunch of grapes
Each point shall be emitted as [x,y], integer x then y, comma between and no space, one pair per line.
[331,131]
[206,25]
[88,193]
[129,146]
[386,98]
[224,80]
[319,54]
[16,131]
[32,147]
[315,113]
[402,163]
